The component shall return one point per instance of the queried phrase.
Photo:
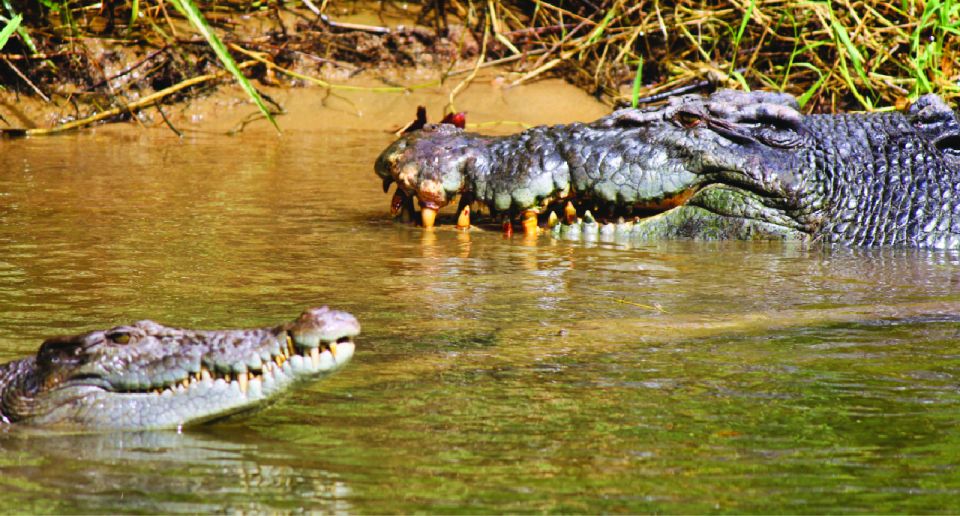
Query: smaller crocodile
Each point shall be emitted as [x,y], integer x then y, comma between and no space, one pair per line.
[732,164]
[150,376]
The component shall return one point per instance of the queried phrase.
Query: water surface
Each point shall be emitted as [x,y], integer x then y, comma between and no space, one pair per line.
[493,374]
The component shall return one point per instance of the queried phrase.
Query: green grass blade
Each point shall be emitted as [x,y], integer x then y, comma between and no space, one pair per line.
[8,30]
[841,34]
[637,79]
[134,13]
[190,10]
[743,23]
[812,90]
[602,26]
[739,37]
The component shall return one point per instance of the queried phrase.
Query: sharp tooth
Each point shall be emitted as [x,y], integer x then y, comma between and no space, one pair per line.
[570,212]
[333,349]
[529,222]
[463,220]
[315,356]
[185,383]
[290,349]
[428,216]
[205,374]
[242,380]
[552,220]
[227,378]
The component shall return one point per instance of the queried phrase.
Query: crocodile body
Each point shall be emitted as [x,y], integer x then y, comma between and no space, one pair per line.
[728,165]
[149,376]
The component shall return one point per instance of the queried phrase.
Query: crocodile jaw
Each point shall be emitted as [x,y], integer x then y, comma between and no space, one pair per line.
[202,400]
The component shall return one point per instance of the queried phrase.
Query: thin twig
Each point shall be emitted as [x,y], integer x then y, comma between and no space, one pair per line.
[497,62]
[167,121]
[130,68]
[27,80]
[133,106]
[468,79]
[31,57]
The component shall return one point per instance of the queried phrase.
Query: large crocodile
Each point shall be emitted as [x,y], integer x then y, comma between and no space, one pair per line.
[148,376]
[727,165]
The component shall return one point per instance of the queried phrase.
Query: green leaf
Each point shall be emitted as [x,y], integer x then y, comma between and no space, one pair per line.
[9,29]
[190,10]
[27,40]
[49,4]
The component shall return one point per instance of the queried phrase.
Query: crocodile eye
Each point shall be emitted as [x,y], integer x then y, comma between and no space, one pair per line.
[687,119]
[119,337]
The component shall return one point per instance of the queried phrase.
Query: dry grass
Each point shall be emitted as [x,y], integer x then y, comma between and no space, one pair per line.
[840,55]
[863,54]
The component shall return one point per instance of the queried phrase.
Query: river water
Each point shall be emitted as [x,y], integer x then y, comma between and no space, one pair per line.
[493,374]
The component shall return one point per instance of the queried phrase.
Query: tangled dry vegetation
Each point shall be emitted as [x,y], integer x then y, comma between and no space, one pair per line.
[834,55]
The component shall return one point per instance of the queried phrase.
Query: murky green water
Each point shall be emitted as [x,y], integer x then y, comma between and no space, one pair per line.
[492,375]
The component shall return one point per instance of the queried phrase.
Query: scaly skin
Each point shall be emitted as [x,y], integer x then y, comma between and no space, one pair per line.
[729,165]
[149,376]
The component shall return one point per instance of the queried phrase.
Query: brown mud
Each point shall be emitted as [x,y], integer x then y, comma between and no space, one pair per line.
[226,110]
[73,78]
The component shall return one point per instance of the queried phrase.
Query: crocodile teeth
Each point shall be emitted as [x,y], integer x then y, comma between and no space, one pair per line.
[570,212]
[529,222]
[205,374]
[315,356]
[333,349]
[428,217]
[552,220]
[463,220]
[242,380]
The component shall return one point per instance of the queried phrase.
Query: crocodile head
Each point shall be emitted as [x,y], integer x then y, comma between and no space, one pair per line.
[430,165]
[722,166]
[147,375]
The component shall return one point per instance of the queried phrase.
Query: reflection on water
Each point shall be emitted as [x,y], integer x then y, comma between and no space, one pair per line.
[195,472]
[493,374]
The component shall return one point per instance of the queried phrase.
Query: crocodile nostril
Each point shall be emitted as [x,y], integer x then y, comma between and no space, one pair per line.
[948,143]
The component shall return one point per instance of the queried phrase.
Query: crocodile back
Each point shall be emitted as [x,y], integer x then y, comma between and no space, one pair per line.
[882,182]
